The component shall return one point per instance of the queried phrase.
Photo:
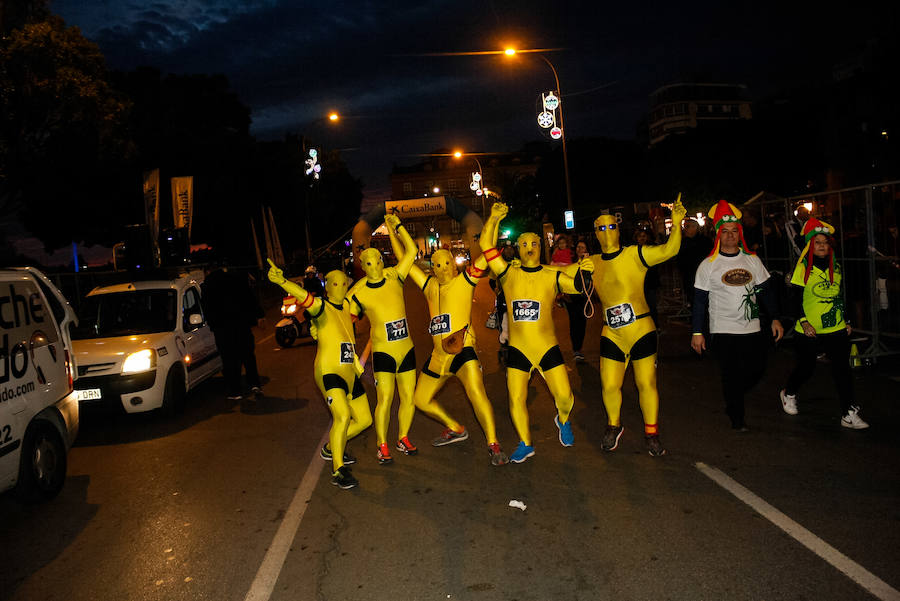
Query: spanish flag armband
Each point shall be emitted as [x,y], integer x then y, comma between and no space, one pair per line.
[491,253]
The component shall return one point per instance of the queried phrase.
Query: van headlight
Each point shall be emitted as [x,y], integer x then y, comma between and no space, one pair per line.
[144,360]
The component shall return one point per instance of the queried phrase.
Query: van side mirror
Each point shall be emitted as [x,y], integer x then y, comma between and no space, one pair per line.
[196,319]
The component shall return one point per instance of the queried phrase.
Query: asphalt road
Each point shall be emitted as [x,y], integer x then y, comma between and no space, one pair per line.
[230,500]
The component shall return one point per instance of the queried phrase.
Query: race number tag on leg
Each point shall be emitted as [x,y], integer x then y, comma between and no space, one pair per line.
[526,310]
[620,315]
[396,330]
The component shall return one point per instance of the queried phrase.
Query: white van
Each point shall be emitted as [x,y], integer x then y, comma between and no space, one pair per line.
[38,409]
[142,345]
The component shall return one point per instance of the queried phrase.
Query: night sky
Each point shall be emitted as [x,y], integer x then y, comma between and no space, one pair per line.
[292,61]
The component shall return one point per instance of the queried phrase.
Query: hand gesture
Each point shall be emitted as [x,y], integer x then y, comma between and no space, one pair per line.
[392,221]
[499,211]
[276,276]
[585,264]
[678,212]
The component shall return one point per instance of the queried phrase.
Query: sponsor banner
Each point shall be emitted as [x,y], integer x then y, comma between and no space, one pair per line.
[151,203]
[417,207]
[183,202]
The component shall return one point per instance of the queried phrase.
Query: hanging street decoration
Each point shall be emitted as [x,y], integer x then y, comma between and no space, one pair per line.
[313,167]
[548,105]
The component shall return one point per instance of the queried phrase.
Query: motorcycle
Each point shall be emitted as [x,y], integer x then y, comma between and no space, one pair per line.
[292,324]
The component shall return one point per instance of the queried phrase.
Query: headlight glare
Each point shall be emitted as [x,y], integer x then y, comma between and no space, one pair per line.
[142,360]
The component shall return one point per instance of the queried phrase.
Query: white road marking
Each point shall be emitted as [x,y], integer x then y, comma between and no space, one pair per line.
[269,570]
[272,335]
[850,568]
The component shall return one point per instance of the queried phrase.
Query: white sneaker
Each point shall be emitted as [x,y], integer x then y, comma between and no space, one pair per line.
[788,402]
[852,419]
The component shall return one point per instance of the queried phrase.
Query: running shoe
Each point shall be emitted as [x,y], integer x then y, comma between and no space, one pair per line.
[343,478]
[611,438]
[654,446]
[325,454]
[498,457]
[788,402]
[852,419]
[566,436]
[384,454]
[522,452]
[448,436]
[406,447]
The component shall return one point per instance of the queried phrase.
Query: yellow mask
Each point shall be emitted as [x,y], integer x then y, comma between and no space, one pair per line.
[443,265]
[606,229]
[372,264]
[529,249]
[336,284]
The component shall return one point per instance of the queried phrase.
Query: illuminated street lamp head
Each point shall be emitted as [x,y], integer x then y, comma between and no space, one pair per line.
[333,116]
[457,154]
[509,51]
[436,190]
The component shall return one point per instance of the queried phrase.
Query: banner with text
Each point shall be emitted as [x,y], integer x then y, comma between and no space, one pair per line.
[417,207]
[151,204]
[183,202]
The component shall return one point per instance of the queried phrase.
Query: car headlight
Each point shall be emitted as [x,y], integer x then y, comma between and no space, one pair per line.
[292,309]
[143,360]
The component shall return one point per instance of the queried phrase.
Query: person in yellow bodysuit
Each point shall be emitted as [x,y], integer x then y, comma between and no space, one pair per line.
[336,368]
[380,297]
[530,291]
[449,295]
[629,334]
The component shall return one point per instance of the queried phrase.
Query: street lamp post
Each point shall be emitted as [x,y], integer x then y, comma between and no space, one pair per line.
[562,126]
[479,188]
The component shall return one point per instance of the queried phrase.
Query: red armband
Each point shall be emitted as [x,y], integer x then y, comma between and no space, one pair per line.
[491,253]
[308,302]
[476,272]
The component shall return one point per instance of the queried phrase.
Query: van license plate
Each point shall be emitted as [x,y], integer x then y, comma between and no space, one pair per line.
[91,394]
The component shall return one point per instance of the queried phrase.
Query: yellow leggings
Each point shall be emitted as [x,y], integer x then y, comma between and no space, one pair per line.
[384,389]
[350,415]
[635,344]
[470,376]
[557,380]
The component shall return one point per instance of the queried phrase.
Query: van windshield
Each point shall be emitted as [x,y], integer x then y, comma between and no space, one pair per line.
[125,314]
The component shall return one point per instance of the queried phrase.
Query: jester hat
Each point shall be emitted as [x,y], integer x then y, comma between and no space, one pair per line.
[812,228]
[721,213]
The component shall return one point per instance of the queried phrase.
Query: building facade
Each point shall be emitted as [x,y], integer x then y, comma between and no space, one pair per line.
[678,107]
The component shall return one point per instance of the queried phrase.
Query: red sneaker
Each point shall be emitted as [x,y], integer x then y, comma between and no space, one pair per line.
[406,447]
[384,454]
[498,457]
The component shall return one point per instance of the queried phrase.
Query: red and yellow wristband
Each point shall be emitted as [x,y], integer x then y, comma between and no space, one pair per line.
[491,253]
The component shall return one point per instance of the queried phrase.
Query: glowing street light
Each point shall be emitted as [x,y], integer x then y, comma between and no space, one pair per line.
[333,116]
[551,103]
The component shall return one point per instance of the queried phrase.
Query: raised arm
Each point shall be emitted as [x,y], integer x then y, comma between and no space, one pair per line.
[417,275]
[654,255]
[410,249]
[488,240]
[307,301]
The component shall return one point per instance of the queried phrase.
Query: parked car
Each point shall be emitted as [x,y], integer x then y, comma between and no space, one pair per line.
[143,344]
[38,409]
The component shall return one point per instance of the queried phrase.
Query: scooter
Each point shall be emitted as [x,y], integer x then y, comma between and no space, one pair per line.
[292,324]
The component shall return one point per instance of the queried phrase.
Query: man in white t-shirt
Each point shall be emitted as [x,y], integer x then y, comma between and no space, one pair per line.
[732,283]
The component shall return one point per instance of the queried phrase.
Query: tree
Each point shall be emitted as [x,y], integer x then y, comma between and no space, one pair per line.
[60,132]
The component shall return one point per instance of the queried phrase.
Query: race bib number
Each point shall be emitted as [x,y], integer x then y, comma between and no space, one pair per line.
[440,324]
[526,310]
[620,315]
[396,330]
[346,352]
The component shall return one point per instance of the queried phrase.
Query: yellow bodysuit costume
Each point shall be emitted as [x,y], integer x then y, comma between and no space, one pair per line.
[379,296]
[449,295]
[530,290]
[336,368]
[629,334]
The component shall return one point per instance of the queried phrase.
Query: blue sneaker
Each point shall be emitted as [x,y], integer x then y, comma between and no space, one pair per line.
[522,452]
[566,437]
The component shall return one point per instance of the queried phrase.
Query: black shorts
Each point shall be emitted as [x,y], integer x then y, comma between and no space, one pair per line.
[330,381]
[517,360]
[385,362]
[464,356]
[645,346]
